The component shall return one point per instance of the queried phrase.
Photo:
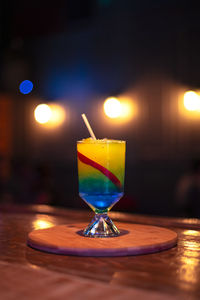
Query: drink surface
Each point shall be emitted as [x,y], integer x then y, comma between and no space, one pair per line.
[101,165]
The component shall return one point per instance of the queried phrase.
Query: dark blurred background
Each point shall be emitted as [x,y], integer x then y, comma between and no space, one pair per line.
[78,53]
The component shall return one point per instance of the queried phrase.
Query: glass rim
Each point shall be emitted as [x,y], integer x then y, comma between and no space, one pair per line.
[101,141]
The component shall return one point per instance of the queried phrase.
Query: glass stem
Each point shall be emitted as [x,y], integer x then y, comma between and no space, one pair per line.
[101,226]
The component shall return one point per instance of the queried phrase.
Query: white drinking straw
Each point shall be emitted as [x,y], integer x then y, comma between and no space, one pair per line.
[88,126]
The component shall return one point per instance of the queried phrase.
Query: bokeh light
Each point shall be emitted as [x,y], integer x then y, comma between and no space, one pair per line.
[112,107]
[58,115]
[121,109]
[43,113]
[50,115]
[26,87]
[191,101]
[129,108]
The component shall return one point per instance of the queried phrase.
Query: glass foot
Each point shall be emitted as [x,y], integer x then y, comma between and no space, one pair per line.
[101,226]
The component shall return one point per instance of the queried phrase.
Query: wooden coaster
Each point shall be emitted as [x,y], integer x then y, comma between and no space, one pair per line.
[134,239]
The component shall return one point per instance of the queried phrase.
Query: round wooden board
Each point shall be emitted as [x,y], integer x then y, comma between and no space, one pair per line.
[135,239]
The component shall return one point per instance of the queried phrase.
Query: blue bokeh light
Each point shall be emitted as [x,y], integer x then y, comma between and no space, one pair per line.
[26,87]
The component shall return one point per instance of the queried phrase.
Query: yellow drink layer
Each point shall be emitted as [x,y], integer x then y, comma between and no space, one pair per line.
[101,166]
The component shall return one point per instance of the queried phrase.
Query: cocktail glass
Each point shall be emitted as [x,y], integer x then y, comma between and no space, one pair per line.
[101,166]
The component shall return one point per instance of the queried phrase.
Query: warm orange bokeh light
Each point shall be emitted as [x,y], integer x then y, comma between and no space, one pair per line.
[58,115]
[189,104]
[129,108]
[50,115]
[192,101]
[120,109]
[112,107]
[42,113]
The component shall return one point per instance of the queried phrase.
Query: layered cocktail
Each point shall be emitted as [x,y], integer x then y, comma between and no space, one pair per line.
[101,166]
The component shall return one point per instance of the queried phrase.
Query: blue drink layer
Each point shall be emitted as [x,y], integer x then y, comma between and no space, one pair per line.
[101,202]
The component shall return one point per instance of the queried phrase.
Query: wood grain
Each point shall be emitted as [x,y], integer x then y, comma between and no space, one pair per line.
[34,283]
[135,239]
[171,273]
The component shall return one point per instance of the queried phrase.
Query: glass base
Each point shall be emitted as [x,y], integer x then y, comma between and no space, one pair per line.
[101,226]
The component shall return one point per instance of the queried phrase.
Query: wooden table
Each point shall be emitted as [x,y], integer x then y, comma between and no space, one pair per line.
[30,274]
